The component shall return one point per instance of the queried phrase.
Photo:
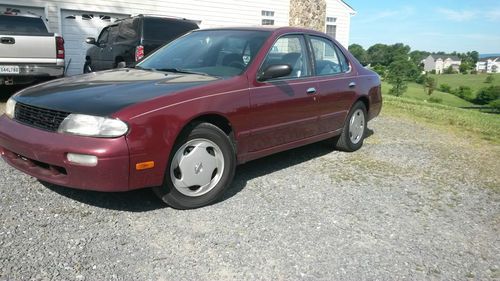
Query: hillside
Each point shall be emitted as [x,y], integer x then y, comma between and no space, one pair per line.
[416,92]
[475,82]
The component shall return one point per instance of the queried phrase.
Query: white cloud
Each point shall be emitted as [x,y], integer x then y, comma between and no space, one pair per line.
[456,15]
[493,15]
[402,12]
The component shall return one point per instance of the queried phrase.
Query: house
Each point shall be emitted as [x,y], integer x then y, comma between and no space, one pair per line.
[439,63]
[78,19]
[488,65]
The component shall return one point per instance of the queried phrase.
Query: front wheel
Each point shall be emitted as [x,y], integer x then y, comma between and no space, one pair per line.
[201,167]
[354,131]
[87,68]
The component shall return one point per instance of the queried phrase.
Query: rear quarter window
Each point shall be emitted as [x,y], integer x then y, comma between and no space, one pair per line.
[128,30]
[160,29]
[22,25]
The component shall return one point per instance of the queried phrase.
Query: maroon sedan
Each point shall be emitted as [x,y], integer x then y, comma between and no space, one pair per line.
[183,118]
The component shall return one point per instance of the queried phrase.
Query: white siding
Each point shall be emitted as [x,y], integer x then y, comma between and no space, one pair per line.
[338,10]
[212,13]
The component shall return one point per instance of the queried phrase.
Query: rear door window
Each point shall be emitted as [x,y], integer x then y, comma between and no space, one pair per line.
[160,29]
[328,59]
[22,25]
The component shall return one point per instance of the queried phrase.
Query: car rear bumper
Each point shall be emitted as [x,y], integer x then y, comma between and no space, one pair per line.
[43,155]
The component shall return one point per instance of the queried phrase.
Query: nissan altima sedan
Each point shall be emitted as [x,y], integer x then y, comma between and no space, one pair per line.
[183,118]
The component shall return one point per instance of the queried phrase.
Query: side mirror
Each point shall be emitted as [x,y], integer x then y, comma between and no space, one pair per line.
[90,40]
[275,71]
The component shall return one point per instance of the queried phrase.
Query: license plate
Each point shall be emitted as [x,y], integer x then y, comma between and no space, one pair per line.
[9,69]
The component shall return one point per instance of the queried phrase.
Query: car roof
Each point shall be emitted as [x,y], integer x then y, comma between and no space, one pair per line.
[282,29]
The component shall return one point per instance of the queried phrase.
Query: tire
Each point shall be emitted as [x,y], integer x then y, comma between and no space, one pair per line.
[87,68]
[354,131]
[200,168]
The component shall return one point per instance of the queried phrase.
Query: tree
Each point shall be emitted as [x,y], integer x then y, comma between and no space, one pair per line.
[464,67]
[399,73]
[429,85]
[377,54]
[359,53]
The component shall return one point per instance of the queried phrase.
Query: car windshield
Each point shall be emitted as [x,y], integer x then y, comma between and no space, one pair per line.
[223,53]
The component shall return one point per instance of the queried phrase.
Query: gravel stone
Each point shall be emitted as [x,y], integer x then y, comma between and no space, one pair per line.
[415,203]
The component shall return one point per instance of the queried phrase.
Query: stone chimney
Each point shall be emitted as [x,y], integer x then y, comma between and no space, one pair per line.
[308,13]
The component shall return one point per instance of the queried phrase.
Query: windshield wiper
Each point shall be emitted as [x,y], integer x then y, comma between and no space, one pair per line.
[178,70]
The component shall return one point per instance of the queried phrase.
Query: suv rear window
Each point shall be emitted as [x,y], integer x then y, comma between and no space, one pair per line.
[166,29]
[22,25]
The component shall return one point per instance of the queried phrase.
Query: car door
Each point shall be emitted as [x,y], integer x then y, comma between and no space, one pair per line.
[336,83]
[107,57]
[284,110]
[102,42]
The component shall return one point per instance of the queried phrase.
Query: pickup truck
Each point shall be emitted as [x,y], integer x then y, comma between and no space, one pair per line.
[28,52]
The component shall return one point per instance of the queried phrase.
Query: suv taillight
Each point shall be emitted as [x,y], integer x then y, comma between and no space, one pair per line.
[139,52]
[59,47]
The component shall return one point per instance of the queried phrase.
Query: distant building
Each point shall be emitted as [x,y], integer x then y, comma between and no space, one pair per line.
[440,63]
[488,65]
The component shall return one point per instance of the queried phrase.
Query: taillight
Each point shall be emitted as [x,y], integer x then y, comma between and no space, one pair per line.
[59,47]
[139,52]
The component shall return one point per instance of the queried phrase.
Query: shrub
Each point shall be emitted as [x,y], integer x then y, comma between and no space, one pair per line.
[463,92]
[420,79]
[445,88]
[495,105]
[433,71]
[487,95]
[489,79]
[435,100]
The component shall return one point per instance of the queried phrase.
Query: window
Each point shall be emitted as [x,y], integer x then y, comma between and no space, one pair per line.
[328,59]
[289,50]
[162,29]
[331,30]
[267,22]
[331,19]
[267,13]
[21,25]
[103,37]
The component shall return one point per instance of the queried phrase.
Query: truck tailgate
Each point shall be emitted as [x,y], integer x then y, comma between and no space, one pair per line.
[24,48]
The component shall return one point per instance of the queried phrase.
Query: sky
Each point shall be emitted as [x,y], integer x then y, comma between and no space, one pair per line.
[439,25]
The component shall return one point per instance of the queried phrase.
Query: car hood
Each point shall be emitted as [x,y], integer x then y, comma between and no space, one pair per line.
[106,92]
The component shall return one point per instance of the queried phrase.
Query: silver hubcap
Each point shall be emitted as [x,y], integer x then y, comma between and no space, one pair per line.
[357,126]
[197,167]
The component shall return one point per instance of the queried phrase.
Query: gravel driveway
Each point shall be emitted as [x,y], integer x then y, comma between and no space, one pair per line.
[413,204]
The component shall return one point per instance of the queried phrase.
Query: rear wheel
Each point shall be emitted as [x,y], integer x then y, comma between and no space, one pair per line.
[354,131]
[200,168]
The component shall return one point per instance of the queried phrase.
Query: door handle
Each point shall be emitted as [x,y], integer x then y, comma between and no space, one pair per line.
[311,91]
[7,40]
[352,84]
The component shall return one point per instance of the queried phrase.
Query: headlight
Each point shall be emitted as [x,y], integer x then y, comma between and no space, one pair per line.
[10,108]
[93,126]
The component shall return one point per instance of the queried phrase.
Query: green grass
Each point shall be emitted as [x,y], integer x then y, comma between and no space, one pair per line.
[470,122]
[416,92]
[474,81]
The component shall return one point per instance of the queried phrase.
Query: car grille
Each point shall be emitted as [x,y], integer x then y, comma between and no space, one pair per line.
[45,119]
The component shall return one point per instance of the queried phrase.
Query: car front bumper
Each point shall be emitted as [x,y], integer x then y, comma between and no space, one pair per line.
[43,155]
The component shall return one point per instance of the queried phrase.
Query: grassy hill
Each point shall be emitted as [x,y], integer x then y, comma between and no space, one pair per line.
[416,92]
[475,82]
